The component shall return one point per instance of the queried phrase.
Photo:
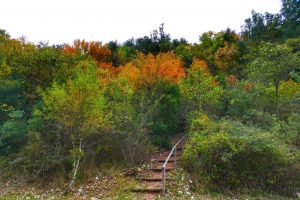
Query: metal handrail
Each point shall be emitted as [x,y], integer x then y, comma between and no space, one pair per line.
[174,149]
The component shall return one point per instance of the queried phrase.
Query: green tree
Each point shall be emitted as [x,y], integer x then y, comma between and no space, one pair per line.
[129,120]
[185,53]
[273,63]
[158,42]
[261,27]
[13,132]
[164,119]
[125,54]
[77,109]
[220,50]
[201,91]
[290,11]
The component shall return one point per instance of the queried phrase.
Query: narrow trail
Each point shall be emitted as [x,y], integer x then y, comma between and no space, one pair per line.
[150,179]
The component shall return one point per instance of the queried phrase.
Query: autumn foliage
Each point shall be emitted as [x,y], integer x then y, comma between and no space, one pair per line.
[150,69]
[69,110]
[226,58]
[100,53]
[200,65]
[231,80]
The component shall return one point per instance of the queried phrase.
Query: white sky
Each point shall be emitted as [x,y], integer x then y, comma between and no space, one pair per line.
[62,21]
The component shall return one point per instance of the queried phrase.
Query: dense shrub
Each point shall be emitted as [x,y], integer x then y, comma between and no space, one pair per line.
[230,155]
[201,91]
[164,121]
[129,113]
[239,98]
[13,133]
[288,131]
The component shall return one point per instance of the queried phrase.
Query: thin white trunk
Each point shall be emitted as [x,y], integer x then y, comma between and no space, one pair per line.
[76,167]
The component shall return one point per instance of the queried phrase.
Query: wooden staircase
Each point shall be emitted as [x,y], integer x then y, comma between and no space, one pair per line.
[151,179]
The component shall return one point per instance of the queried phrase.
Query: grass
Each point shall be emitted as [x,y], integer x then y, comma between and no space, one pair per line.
[182,188]
[107,182]
[110,183]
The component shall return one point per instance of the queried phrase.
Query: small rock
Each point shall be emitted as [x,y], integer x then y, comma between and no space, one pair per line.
[80,191]
[94,198]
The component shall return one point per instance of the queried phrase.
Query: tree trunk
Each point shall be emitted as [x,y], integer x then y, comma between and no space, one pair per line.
[76,167]
[277,95]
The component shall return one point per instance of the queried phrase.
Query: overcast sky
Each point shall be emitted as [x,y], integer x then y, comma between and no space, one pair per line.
[62,21]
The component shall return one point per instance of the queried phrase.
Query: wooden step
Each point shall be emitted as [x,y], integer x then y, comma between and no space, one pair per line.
[160,169]
[147,189]
[170,160]
[153,179]
[178,154]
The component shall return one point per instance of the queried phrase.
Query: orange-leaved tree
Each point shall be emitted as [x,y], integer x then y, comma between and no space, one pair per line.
[99,52]
[150,69]
[227,58]
[158,99]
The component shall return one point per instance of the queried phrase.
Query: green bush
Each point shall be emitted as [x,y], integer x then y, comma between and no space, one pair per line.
[290,130]
[201,123]
[239,100]
[230,155]
[165,119]
[13,132]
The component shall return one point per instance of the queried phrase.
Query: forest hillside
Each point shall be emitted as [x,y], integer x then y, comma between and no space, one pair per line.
[73,112]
